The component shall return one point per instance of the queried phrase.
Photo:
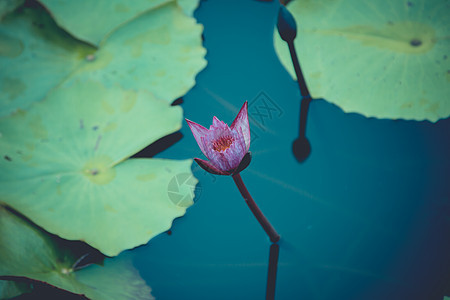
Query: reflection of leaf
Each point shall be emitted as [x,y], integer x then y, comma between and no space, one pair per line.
[10,289]
[117,279]
[160,51]
[387,60]
[63,165]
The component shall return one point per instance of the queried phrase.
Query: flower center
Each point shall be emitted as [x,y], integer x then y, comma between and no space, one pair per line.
[222,143]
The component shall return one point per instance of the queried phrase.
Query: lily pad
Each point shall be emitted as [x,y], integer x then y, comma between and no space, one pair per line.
[26,251]
[160,51]
[7,6]
[188,6]
[381,59]
[10,289]
[78,17]
[64,165]
[107,15]
[35,56]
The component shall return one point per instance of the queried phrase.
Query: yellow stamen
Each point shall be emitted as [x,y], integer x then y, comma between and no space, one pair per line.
[222,143]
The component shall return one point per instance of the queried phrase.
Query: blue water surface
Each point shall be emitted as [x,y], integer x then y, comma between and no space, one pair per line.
[366,216]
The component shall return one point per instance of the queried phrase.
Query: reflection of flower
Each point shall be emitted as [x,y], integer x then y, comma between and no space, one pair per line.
[225,146]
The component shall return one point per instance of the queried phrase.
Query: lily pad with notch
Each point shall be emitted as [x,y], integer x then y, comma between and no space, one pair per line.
[10,289]
[108,15]
[64,165]
[48,262]
[159,51]
[8,6]
[35,56]
[379,59]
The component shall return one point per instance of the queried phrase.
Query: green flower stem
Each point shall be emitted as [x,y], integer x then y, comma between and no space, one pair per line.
[268,228]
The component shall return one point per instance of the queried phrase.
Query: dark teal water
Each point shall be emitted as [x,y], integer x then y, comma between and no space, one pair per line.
[366,216]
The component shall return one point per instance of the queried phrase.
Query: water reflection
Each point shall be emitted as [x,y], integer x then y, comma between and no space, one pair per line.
[288,31]
[301,146]
[272,271]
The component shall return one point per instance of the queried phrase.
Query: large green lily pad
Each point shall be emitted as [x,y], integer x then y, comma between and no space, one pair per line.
[188,6]
[10,289]
[381,59]
[35,56]
[7,6]
[64,165]
[26,251]
[78,17]
[159,51]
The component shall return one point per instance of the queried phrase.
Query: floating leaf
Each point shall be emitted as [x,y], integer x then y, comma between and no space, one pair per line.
[7,6]
[107,15]
[35,56]
[160,51]
[377,58]
[10,289]
[64,165]
[188,6]
[26,251]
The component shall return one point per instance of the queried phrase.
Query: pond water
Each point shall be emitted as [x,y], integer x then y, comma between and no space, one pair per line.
[365,216]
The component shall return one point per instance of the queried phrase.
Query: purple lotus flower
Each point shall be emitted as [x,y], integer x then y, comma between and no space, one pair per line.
[227,151]
[225,146]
